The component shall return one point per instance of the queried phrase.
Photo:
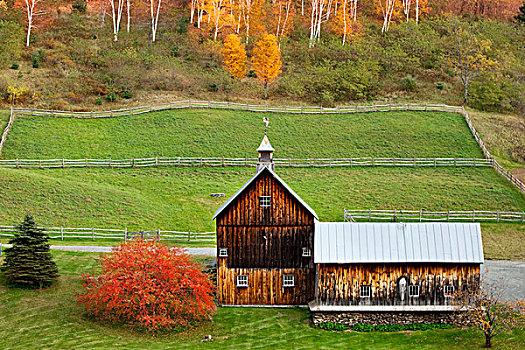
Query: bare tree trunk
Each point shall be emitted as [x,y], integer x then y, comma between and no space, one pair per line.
[103,7]
[127,9]
[488,341]
[266,90]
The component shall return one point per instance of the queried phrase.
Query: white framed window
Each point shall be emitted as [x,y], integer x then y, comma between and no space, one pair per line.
[223,252]
[413,290]
[242,280]
[448,291]
[289,280]
[265,201]
[307,252]
[365,291]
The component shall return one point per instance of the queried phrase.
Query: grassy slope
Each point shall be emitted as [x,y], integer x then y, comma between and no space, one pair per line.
[4,117]
[179,198]
[50,318]
[237,134]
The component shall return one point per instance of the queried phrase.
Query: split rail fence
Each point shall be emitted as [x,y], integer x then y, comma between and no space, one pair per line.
[268,109]
[247,162]
[423,215]
[239,106]
[60,233]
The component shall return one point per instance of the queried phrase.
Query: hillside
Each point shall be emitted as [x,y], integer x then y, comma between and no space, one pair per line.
[179,198]
[81,67]
[214,133]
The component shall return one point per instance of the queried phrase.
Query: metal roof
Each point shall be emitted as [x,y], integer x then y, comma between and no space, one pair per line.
[265,145]
[338,242]
[265,168]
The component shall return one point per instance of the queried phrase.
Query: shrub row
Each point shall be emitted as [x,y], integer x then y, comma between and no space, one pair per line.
[365,327]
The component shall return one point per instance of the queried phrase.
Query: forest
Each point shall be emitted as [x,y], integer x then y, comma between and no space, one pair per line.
[79,55]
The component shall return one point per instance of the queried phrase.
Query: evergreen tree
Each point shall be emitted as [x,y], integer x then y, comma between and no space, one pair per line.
[28,263]
[521,15]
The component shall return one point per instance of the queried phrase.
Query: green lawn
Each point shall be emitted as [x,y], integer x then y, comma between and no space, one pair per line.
[50,319]
[179,198]
[4,117]
[238,134]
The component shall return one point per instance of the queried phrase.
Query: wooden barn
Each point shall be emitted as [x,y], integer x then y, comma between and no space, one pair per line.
[394,266]
[272,250]
[265,235]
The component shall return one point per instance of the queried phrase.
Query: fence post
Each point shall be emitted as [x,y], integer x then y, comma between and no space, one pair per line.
[125,234]
[523,217]
[61,233]
[395,218]
[473,215]
[222,160]
[497,213]
[189,235]
[369,215]
[158,234]
[93,233]
[448,215]
[420,215]
[156,161]
[63,162]
[133,162]
[142,234]
[16,163]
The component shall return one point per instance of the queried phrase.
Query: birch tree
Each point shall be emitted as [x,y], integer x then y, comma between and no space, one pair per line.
[318,16]
[344,17]
[216,15]
[154,6]
[103,9]
[128,17]
[116,12]
[387,8]
[407,4]
[252,12]
[283,14]
[29,7]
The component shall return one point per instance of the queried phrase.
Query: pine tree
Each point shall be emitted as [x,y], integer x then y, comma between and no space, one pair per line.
[28,263]
[266,60]
[234,56]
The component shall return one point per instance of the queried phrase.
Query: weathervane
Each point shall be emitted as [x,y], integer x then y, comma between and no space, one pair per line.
[266,121]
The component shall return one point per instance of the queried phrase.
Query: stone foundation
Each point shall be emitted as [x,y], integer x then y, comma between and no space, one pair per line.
[462,319]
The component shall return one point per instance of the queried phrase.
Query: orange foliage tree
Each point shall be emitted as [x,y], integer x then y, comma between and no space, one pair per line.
[266,60]
[344,18]
[389,9]
[234,56]
[149,286]
[217,15]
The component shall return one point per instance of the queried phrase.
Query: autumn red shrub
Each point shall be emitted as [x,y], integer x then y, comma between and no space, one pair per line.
[149,286]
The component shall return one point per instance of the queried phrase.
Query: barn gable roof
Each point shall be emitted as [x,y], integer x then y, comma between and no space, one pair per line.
[275,176]
[339,243]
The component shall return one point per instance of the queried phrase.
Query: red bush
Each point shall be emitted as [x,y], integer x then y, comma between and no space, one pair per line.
[149,286]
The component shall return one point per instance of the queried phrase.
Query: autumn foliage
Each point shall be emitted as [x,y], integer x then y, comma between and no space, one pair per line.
[266,60]
[149,286]
[234,56]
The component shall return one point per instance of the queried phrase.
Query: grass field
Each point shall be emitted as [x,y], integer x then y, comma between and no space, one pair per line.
[179,198]
[50,319]
[4,117]
[238,134]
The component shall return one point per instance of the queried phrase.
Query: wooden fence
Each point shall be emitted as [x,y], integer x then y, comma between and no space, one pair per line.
[103,233]
[239,106]
[248,162]
[7,128]
[423,215]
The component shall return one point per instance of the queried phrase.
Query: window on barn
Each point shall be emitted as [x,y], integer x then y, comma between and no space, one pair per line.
[307,252]
[288,280]
[242,280]
[448,291]
[265,201]
[223,252]
[413,290]
[365,291]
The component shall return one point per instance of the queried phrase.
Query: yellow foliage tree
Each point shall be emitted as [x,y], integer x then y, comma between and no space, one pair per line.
[470,57]
[217,15]
[3,5]
[15,93]
[266,60]
[234,56]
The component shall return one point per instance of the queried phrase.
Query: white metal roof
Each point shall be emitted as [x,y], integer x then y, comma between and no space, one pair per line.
[265,145]
[339,243]
[265,168]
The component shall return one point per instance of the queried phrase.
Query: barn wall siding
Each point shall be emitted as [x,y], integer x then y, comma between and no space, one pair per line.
[339,284]
[265,286]
[285,209]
